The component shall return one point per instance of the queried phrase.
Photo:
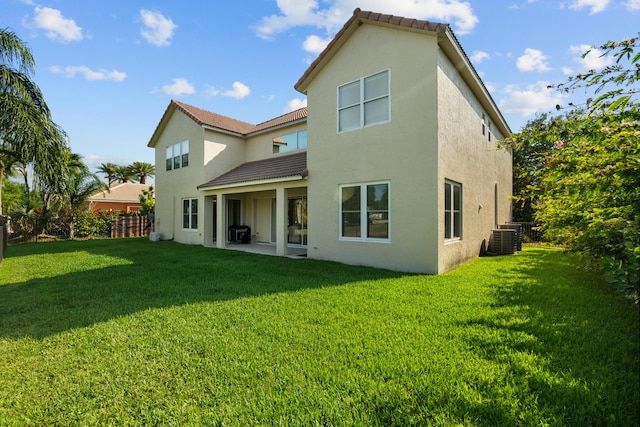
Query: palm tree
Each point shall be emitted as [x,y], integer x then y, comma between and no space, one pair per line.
[142,170]
[109,170]
[27,133]
[124,174]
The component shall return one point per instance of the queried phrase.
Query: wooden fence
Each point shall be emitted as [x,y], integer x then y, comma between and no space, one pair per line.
[131,226]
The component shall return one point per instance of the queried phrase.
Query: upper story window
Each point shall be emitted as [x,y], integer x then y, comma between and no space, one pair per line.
[177,155]
[290,142]
[364,102]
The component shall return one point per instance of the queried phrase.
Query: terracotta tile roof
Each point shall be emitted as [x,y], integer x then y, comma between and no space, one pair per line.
[211,119]
[123,192]
[208,118]
[292,165]
[298,114]
[360,16]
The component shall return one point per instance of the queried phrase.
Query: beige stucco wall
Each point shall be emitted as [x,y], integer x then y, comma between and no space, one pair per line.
[468,157]
[434,134]
[260,146]
[403,151]
[210,154]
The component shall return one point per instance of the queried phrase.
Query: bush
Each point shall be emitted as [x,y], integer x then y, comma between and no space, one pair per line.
[88,224]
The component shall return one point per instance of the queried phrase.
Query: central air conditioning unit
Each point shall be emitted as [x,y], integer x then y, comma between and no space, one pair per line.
[518,229]
[503,242]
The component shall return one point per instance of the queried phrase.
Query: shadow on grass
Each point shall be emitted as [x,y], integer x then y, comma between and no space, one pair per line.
[149,275]
[570,346]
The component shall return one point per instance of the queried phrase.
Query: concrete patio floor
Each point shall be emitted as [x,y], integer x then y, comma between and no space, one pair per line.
[266,249]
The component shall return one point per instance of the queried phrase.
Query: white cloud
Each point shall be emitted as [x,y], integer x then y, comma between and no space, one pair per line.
[315,44]
[157,29]
[533,99]
[520,6]
[212,91]
[179,87]
[89,74]
[532,60]
[239,91]
[596,6]
[57,26]
[633,5]
[594,59]
[295,104]
[478,56]
[294,13]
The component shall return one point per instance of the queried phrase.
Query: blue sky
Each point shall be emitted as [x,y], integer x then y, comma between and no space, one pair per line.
[109,69]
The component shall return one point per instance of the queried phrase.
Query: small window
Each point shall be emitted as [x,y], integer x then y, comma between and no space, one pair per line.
[290,142]
[190,214]
[364,212]
[484,131]
[364,102]
[452,211]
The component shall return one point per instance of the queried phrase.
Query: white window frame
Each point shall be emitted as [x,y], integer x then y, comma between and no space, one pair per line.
[178,154]
[450,213]
[190,213]
[364,213]
[362,102]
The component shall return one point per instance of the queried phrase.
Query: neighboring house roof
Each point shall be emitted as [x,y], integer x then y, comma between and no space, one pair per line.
[448,43]
[120,193]
[276,168]
[222,123]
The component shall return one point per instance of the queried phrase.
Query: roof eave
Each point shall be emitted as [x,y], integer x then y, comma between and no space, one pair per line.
[161,124]
[452,48]
[297,177]
[276,127]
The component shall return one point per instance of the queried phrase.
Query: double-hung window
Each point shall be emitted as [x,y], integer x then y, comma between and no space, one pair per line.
[364,212]
[189,214]
[452,211]
[177,155]
[364,102]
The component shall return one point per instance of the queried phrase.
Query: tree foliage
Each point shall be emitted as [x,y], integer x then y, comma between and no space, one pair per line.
[578,174]
[136,171]
[28,135]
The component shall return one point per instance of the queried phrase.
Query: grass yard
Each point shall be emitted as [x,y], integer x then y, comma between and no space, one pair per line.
[132,332]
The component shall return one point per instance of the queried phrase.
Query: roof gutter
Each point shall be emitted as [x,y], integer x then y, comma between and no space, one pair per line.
[298,177]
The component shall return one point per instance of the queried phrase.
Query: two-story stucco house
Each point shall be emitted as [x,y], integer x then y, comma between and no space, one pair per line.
[393,163]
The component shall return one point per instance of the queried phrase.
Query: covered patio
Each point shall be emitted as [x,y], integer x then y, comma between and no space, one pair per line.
[265,200]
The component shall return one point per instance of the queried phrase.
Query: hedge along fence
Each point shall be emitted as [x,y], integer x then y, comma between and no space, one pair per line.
[131,226]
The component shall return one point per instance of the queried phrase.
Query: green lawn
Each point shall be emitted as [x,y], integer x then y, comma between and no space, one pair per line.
[132,332]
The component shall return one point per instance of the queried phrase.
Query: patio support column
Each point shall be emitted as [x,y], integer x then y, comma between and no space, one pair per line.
[221,233]
[207,223]
[281,221]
